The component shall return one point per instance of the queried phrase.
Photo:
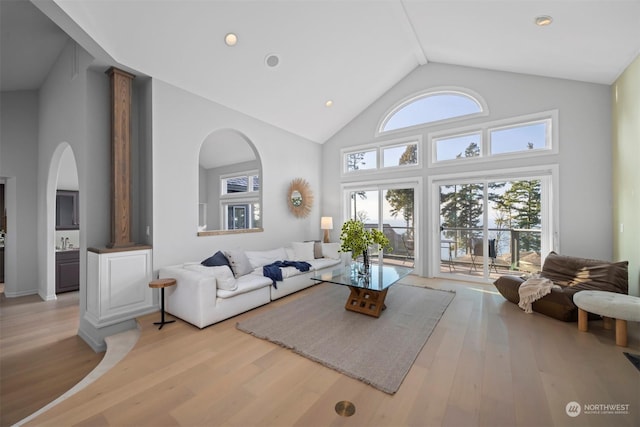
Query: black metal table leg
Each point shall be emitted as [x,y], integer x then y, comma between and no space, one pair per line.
[162,322]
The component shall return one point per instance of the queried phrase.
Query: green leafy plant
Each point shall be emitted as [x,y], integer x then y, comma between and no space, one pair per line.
[356,239]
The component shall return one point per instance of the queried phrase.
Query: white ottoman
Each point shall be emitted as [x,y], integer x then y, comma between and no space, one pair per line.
[609,305]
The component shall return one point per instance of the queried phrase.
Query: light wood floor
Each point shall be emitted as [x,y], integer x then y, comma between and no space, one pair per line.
[487,363]
[41,356]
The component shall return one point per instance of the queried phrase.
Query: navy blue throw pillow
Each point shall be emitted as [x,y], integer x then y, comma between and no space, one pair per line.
[215,260]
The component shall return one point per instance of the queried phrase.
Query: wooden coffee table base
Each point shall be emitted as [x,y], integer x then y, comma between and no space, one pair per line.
[366,301]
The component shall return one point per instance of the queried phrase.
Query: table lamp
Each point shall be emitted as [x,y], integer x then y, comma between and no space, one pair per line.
[326,224]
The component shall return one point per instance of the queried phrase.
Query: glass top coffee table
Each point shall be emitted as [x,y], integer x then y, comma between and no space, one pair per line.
[367,291]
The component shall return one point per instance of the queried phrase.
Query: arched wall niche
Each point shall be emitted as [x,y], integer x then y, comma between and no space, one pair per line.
[229,185]
[63,171]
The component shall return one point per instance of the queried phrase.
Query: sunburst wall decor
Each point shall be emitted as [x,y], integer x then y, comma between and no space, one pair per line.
[300,198]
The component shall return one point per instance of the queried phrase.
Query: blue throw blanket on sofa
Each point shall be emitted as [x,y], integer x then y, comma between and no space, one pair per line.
[273,272]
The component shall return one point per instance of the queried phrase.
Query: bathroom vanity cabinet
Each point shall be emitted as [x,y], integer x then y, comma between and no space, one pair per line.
[67,271]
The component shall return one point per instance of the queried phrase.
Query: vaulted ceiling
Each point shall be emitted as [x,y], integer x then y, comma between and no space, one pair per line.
[349,52]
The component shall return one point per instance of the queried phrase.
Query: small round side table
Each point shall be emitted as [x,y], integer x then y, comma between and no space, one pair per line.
[161,284]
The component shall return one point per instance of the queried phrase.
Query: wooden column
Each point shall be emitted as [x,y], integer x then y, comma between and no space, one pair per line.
[120,158]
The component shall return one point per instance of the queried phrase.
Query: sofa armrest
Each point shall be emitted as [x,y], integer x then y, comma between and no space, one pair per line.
[193,296]
[509,287]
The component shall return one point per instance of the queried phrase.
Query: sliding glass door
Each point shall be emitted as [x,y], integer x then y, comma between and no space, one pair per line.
[491,227]
[392,210]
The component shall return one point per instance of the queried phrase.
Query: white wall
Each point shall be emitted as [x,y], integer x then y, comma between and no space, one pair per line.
[182,121]
[19,163]
[62,124]
[68,172]
[626,179]
[584,138]
[74,110]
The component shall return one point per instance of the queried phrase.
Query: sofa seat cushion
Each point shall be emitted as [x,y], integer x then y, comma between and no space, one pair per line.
[246,283]
[320,263]
[286,272]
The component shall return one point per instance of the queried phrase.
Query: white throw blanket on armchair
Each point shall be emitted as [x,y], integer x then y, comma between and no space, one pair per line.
[532,290]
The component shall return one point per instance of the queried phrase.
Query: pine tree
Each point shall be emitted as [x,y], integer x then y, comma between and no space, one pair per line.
[401,200]
[461,205]
[354,161]
[522,202]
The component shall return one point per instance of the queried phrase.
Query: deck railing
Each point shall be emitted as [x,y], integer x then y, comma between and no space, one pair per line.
[516,248]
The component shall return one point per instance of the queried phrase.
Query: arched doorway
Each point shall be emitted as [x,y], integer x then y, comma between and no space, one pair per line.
[63,223]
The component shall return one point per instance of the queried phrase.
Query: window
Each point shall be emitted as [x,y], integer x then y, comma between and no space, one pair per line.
[239,201]
[530,136]
[240,183]
[456,147]
[361,160]
[394,154]
[431,107]
[516,137]
[400,155]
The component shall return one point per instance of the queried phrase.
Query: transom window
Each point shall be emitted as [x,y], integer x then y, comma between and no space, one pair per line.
[429,108]
[382,157]
[455,147]
[519,136]
[245,183]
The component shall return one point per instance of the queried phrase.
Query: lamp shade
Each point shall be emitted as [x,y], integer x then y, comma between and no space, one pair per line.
[326,223]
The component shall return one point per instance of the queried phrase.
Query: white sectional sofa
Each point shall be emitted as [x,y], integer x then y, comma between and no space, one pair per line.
[205,295]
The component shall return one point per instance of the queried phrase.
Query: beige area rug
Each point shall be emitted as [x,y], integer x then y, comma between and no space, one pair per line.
[378,352]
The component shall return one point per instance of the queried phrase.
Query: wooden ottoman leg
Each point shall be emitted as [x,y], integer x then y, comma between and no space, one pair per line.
[583,323]
[621,332]
[607,322]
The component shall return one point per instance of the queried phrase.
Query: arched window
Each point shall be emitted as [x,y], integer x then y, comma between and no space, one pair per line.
[433,106]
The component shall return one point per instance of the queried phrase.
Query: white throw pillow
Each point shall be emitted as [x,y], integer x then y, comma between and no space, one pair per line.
[262,258]
[291,255]
[239,262]
[224,278]
[303,251]
[331,250]
[223,274]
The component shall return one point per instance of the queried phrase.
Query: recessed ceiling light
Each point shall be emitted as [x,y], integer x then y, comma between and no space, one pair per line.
[231,39]
[272,60]
[543,20]
[328,104]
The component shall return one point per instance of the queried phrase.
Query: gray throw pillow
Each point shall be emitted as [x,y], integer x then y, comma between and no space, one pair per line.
[239,262]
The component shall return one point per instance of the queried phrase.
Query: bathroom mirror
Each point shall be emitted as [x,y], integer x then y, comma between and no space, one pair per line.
[230,185]
[300,198]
